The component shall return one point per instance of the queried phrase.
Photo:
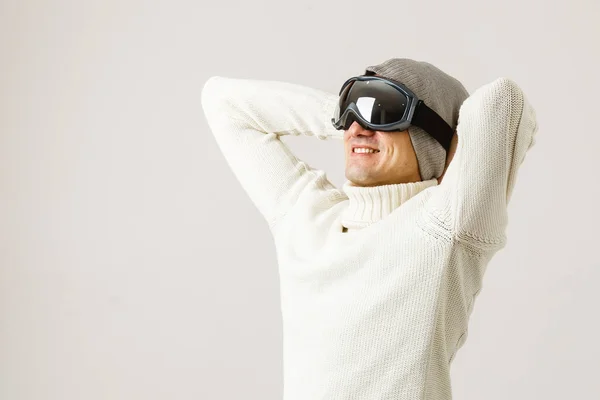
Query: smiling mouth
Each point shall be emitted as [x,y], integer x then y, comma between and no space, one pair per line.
[361,151]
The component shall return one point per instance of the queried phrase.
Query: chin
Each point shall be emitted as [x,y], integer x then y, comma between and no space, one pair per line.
[361,179]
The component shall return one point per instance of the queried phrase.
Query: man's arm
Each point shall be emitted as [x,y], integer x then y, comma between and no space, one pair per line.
[496,127]
[449,156]
[247,117]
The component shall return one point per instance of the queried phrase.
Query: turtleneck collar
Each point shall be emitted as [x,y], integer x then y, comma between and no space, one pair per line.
[369,204]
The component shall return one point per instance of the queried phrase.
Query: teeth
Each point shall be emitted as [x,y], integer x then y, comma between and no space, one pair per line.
[364,150]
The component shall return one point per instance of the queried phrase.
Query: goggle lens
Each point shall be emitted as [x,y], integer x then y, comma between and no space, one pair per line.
[377,102]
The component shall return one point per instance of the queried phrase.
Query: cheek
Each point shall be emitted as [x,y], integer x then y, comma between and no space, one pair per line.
[398,146]
[391,148]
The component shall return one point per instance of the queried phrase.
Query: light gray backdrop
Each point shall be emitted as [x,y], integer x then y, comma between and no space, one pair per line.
[133,266]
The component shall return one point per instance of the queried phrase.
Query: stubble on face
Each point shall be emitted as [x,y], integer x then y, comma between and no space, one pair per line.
[395,162]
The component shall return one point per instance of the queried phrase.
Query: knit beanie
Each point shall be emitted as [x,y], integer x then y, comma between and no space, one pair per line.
[440,92]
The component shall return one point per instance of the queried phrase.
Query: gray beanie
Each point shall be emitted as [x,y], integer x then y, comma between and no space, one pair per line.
[441,92]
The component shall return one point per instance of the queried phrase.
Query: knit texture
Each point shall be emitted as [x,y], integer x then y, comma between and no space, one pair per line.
[377,312]
[370,204]
[441,92]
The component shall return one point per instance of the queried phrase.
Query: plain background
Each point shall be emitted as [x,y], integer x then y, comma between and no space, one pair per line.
[133,265]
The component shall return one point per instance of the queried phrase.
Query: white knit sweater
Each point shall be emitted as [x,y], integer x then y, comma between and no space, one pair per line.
[377,312]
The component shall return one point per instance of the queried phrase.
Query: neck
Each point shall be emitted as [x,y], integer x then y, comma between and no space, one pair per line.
[369,204]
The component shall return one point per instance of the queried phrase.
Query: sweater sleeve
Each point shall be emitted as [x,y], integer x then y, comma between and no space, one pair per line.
[247,118]
[496,127]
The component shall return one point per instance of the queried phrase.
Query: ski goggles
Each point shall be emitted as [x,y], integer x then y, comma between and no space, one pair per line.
[381,104]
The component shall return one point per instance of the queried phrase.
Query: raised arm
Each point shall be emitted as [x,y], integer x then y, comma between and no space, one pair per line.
[247,117]
[496,127]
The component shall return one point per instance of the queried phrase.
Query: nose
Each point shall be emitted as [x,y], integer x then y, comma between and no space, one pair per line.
[356,130]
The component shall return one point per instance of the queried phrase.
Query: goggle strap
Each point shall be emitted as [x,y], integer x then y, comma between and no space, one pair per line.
[428,120]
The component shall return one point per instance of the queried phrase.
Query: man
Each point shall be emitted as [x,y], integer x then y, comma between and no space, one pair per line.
[378,279]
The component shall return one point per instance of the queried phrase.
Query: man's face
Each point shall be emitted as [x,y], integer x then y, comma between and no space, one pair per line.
[394,159]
